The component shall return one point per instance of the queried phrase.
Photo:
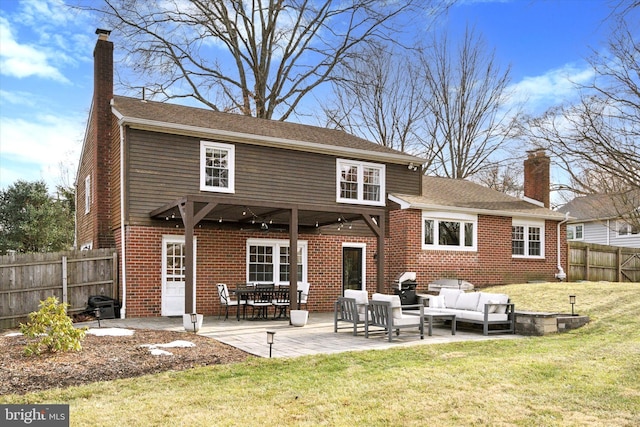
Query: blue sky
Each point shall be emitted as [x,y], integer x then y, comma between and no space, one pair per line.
[46,69]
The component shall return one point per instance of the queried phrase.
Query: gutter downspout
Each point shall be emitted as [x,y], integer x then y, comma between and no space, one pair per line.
[561,275]
[123,309]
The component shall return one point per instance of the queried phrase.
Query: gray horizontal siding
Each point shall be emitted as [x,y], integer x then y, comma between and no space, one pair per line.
[164,167]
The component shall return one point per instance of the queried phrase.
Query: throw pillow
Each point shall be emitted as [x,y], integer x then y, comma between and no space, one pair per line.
[436,301]
[493,307]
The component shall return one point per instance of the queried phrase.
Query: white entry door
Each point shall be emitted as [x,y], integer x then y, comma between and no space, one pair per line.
[173,273]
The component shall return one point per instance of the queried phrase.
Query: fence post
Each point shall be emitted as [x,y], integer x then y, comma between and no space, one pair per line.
[586,264]
[64,280]
[619,264]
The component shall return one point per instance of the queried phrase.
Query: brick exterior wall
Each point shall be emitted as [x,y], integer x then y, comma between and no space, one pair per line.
[537,178]
[95,227]
[492,264]
[221,258]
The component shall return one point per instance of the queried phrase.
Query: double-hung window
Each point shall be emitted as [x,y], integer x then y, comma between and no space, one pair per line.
[268,261]
[449,231]
[575,232]
[626,229]
[217,167]
[527,239]
[360,182]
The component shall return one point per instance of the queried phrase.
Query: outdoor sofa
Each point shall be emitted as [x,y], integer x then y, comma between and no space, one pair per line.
[483,308]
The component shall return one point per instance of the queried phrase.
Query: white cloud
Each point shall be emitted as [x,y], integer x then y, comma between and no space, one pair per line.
[46,147]
[22,60]
[555,87]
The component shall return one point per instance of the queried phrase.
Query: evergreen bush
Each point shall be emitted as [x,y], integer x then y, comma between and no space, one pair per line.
[51,329]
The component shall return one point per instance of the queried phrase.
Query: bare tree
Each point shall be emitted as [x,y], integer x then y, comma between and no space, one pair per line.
[468,120]
[597,140]
[256,57]
[505,178]
[379,97]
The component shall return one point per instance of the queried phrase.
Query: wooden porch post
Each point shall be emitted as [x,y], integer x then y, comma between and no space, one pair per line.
[381,253]
[293,257]
[186,212]
[378,230]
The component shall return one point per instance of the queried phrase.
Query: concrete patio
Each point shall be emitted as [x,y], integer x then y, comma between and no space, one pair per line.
[317,337]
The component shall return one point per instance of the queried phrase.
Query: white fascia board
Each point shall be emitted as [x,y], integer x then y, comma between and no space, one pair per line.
[434,207]
[247,138]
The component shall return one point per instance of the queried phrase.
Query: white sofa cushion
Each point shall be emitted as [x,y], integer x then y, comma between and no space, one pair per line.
[362,298]
[407,321]
[450,296]
[396,305]
[467,301]
[477,316]
[490,298]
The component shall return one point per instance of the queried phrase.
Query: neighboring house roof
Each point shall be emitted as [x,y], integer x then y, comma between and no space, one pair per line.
[595,207]
[457,195]
[183,120]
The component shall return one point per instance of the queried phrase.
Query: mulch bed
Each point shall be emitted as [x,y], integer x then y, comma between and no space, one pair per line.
[105,358]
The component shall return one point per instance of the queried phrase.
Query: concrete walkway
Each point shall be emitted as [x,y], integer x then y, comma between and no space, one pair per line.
[316,337]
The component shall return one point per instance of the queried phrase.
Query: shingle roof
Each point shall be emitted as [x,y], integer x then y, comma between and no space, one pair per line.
[465,196]
[249,129]
[601,206]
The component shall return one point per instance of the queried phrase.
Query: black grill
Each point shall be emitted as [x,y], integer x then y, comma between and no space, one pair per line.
[406,289]
[109,307]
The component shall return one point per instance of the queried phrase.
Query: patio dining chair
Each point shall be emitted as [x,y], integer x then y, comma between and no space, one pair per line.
[304,295]
[260,301]
[281,302]
[226,301]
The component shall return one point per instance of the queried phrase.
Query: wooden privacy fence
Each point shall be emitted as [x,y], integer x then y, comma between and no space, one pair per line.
[72,276]
[593,262]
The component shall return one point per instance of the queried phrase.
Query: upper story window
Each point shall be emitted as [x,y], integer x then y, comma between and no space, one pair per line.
[360,183]
[625,229]
[87,194]
[449,231]
[575,232]
[217,167]
[527,239]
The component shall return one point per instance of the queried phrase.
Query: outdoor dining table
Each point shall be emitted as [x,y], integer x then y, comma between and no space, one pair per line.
[244,293]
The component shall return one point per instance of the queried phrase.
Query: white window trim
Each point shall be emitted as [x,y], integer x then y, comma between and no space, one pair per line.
[449,216]
[87,194]
[362,246]
[360,165]
[628,233]
[231,150]
[277,244]
[574,227]
[526,223]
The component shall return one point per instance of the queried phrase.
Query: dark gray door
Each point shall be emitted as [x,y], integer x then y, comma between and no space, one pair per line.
[351,268]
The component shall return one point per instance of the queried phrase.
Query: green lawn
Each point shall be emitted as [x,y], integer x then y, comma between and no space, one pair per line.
[587,377]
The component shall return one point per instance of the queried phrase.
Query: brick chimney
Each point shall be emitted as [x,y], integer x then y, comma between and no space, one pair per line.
[101,121]
[537,176]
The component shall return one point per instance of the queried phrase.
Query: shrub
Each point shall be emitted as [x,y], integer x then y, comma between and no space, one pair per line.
[52,329]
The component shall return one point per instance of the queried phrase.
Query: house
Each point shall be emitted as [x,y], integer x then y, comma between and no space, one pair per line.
[605,219]
[192,197]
